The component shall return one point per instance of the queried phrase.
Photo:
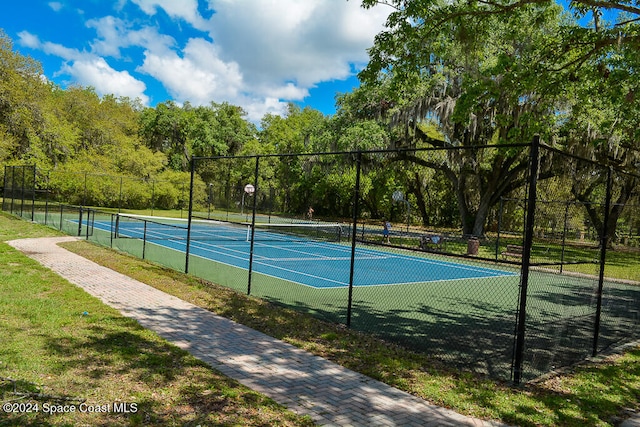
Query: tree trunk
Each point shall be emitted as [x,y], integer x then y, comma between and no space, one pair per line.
[420,199]
[596,216]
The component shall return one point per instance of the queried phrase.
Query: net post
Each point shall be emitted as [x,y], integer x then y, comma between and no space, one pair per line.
[356,208]
[526,257]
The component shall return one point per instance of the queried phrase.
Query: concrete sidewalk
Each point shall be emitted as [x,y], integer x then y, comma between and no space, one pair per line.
[306,384]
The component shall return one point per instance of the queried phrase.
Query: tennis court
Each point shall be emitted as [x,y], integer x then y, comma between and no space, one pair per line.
[302,259]
[463,310]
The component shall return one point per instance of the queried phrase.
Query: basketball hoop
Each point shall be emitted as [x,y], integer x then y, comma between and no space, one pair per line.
[248,189]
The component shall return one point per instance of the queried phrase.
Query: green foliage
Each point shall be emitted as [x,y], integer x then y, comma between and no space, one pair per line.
[294,133]
[441,74]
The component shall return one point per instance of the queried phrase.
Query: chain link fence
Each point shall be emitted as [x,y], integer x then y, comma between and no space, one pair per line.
[509,261]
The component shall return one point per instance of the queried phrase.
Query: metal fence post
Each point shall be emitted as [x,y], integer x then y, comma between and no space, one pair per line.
[13,187]
[80,214]
[604,241]
[356,208]
[526,256]
[188,246]
[4,188]
[144,240]
[111,231]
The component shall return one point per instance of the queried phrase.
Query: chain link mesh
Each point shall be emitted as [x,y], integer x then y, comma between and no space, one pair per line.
[424,248]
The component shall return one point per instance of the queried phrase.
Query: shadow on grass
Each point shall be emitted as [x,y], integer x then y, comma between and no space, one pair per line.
[478,335]
[118,361]
[483,344]
[267,364]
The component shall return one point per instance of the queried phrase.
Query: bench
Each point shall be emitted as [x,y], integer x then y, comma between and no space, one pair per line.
[430,240]
[512,251]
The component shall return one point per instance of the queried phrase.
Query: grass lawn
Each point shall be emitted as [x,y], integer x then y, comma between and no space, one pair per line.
[74,357]
[54,357]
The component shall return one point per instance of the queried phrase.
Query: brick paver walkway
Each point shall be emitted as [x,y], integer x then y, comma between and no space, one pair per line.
[306,384]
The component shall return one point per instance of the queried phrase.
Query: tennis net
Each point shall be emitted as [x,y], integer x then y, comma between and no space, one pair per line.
[164,228]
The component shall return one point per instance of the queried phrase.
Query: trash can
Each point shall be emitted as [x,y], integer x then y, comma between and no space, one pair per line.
[472,246]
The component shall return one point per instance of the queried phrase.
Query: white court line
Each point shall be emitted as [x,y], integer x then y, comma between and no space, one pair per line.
[244,258]
[317,258]
[374,254]
[325,246]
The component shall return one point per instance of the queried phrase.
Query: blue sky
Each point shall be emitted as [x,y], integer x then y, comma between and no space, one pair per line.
[259,54]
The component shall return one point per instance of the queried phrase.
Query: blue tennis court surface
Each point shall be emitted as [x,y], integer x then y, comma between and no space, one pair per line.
[320,265]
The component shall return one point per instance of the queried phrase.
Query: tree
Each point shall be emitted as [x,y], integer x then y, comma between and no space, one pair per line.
[300,131]
[478,80]
[606,129]
[575,46]
[165,129]
[28,128]
[232,130]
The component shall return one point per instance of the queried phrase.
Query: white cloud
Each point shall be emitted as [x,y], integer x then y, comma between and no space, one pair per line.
[283,48]
[94,71]
[88,69]
[115,34]
[198,76]
[289,40]
[55,6]
[29,40]
[182,9]
[111,35]
[259,54]
[257,108]
[32,41]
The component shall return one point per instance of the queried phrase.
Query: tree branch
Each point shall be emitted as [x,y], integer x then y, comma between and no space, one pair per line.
[609,5]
